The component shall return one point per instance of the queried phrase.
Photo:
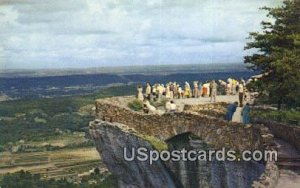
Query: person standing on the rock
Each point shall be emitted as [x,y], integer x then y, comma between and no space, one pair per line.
[233,86]
[228,89]
[222,87]
[200,89]
[187,90]
[160,89]
[230,111]
[168,92]
[148,91]
[241,93]
[213,94]
[154,91]
[245,114]
[175,91]
[206,90]
[172,90]
[195,90]
[140,95]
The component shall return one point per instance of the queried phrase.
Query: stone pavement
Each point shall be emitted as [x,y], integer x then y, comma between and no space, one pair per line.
[204,100]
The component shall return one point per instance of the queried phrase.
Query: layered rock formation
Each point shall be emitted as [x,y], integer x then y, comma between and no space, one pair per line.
[111,139]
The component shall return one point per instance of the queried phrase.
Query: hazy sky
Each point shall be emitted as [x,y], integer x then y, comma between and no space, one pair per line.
[90,33]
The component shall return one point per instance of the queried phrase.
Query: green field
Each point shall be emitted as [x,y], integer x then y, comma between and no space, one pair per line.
[46,138]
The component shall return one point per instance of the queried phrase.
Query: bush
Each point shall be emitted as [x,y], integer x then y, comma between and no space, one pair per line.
[2,148]
[285,116]
[135,105]
[24,179]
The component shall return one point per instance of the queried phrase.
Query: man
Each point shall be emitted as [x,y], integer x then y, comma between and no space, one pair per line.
[140,95]
[154,91]
[241,93]
[213,87]
[172,90]
[195,91]
[245,114]
[230,111]
[223,87]
[180,92]
[160,90]
[233,86]
[200,89]
[228,89]
[168,92]
[175,91]
[148,91]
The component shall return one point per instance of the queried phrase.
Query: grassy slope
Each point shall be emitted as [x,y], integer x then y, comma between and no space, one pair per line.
[52,106]
[37,119]
[35,122]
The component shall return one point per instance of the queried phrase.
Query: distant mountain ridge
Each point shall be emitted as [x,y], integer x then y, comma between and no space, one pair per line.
[148,69]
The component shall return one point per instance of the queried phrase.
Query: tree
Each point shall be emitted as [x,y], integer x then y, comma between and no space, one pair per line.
[277,54]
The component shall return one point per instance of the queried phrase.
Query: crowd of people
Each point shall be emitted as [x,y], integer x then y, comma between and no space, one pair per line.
[172,90]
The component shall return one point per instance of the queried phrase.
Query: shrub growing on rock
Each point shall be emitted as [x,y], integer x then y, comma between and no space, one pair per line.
[135,105]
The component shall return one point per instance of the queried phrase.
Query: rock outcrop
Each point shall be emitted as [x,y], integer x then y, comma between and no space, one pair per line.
[111,139]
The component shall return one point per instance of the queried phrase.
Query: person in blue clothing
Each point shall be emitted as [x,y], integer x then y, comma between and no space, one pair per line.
[230,111]
[245,114]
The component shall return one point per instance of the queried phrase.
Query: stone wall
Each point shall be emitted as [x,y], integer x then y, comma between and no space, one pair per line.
[211,109]
[213,131]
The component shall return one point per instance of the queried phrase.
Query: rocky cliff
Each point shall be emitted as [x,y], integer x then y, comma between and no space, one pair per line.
[111,139]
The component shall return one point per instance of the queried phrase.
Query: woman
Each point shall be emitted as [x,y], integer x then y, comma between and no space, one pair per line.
[245,114]
[230,111]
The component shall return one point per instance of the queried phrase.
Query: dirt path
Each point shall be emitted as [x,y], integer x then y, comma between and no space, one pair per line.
[288,178]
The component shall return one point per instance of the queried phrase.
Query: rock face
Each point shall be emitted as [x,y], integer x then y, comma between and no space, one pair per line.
[110,140]
[216,174]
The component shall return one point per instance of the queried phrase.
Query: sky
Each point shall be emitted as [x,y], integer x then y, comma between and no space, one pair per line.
[53,34]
